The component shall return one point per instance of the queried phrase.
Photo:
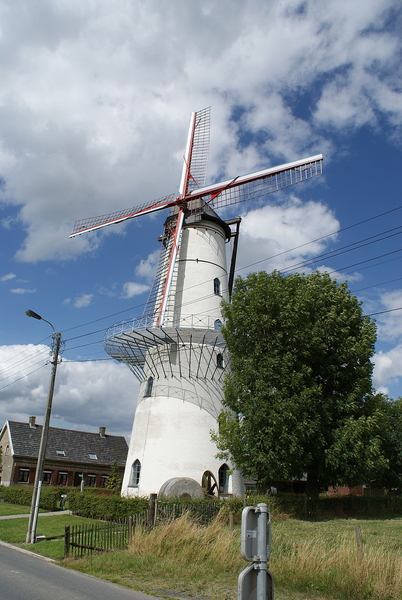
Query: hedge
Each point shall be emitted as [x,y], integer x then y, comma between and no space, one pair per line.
[110,507]
[49,498]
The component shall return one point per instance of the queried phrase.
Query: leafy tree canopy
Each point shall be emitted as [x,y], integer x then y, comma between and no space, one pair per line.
[299,392]
[392,445]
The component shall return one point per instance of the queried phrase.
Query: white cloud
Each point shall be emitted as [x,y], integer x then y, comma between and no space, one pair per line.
[83,300]
[147,267]
[387,368]
[8,277]
[91,89]
[279,237]
[131,289]
[22,291]
[87,394]
[390,324]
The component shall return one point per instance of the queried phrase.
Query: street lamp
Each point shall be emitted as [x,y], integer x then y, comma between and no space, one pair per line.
[33,515]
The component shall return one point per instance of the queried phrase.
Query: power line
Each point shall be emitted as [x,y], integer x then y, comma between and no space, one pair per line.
[307,262]
[381,312]
[22,377]
[341,230]
[376,284]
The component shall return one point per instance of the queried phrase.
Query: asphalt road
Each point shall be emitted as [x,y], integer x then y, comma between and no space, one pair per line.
[24,576]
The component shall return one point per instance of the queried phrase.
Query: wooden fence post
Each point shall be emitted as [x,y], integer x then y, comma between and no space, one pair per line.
[67,541]
[151,512]
[359,542]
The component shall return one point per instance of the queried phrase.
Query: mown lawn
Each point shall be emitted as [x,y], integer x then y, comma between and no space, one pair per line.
[14,530]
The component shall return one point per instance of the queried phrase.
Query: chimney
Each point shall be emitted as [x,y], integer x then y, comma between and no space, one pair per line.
[32,422]
[102,432]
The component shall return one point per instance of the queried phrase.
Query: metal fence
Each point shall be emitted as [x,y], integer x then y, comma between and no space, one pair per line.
[203,513]
[80,540]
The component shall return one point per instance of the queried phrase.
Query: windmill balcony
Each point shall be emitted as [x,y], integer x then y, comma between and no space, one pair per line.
[139,342]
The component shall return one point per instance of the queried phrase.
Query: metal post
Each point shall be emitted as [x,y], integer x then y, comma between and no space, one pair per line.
[33,515]
[261,563]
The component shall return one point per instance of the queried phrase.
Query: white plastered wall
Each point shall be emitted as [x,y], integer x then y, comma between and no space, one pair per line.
[171,435]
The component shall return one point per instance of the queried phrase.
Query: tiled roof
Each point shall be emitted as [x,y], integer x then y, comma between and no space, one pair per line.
[77,445]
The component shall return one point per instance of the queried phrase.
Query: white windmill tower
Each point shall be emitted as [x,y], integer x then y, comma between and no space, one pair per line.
[176,349]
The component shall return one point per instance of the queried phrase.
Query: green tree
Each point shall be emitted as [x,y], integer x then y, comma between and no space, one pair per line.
[299,392]
[392,445]
[113,482]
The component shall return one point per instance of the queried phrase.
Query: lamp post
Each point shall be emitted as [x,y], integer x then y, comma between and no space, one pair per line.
[33,515]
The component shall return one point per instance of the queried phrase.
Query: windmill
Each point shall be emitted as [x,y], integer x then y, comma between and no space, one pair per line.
[176,349]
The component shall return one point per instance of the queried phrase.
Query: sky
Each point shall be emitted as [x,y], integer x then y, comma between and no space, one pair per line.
[95,102]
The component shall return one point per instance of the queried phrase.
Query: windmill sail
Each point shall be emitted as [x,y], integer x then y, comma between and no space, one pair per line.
[260,183]
[195,167]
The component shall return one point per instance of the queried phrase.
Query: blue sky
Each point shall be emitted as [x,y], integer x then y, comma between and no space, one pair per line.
[94,109]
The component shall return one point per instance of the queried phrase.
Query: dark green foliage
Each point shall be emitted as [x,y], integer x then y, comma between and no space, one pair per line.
[97,505]
[299,393]
[49,499]
[299,507]
[392,445]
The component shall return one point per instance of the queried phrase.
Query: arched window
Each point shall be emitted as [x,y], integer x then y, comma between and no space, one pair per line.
[223,479]
[135,473]
[148,388]
[217,286]
[218,325]
[220,363]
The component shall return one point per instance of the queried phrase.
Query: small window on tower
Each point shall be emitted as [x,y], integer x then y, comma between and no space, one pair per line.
[149,386]
[220,363]
[218,325]
[217,286]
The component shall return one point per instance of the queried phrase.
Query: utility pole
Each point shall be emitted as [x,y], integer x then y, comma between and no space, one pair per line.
[33,515]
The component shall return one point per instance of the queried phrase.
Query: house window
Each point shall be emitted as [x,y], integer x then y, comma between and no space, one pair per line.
[47,475]
[135,473]
[149,386]
[23,476]
[223,478]
[60,453]
[218,325]
[220,363]
[91,479]
[62,478]
[104,479]
[217,286]
[93,456]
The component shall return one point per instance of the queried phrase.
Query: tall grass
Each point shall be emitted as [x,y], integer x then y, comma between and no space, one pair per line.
[335,568]
[320,563]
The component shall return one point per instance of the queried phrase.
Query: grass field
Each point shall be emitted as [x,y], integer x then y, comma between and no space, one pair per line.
[14,531]
[310,560]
